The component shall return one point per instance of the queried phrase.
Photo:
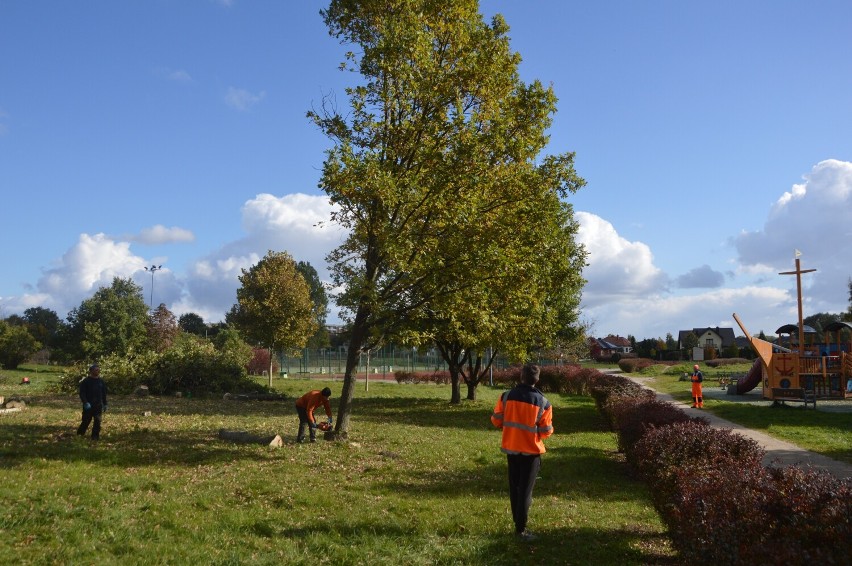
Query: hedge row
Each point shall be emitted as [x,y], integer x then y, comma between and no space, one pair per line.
[567,379]
[720,504]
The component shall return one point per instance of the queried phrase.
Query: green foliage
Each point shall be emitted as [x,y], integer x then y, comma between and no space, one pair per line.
[690,341]
[113,321]
[319,297]
[43,324]
[16,345]
[191,364]
[192,323]
[458,227]
[274,307]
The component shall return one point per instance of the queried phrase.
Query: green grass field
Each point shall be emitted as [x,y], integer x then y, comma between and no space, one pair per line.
[420,482]
[827,433]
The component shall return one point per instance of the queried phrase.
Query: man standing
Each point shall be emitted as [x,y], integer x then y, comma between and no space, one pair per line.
[306,405]
[526,419]
[697,395]
[93,394]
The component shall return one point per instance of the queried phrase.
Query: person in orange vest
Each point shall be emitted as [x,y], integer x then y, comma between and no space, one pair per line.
[526,418]
[696,379]
[306,405]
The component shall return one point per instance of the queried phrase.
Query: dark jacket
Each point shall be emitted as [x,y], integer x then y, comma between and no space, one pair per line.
[93,390]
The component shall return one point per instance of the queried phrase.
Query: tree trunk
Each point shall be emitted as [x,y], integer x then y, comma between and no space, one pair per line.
[471,390]
[356,342]
[455,396]
[271,353]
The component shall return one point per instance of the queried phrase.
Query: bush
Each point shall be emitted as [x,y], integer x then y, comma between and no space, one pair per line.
[633,365]
[189,365]
[438,377]
[727,362]
[609,386]
[633,417]
[770,516]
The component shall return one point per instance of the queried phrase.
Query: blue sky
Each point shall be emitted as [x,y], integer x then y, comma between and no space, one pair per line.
[715,138]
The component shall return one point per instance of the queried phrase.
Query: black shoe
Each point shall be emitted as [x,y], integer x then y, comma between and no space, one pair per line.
[527,536]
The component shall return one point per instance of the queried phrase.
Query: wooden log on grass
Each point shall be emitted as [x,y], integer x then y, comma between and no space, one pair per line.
[245,437]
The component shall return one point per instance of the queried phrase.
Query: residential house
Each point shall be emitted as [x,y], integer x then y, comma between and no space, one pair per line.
[718,338]
[605,348]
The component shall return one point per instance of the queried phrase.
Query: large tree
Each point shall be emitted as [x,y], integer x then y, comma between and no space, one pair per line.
[274,308]
[113,321]
[439,131]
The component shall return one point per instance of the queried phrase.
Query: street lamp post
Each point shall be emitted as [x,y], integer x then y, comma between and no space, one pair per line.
[152,269]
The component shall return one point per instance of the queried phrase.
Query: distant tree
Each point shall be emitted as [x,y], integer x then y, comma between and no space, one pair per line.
[162,329]
[848,314]
[690,341]
[16,345]
[113,321]
[43,324]
[320,299]
[274,308]
[671,343]
[820,320]
[231,345]
[192,323]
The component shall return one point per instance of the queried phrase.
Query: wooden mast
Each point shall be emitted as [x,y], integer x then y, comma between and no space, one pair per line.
[798,274]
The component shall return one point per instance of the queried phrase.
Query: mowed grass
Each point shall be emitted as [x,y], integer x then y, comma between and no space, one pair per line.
[823,432]
[419,482]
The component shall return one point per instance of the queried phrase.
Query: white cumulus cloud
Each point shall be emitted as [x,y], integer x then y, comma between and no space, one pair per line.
[160,234]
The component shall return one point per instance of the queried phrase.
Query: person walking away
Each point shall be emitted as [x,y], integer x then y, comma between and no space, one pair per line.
[93,395]
[526,418]
[696,378]
[306,405]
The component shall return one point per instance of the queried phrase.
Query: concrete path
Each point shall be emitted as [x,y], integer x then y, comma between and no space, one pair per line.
[778,452]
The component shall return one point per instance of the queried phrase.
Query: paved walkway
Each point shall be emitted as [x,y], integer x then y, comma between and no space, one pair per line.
[778,452]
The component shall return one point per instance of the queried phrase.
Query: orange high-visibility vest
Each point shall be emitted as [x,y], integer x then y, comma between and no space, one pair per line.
[526,417]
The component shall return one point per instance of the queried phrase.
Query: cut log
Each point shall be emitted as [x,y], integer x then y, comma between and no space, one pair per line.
[254,397]
[245,437]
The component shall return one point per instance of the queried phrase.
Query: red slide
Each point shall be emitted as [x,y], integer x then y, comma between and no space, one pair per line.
[752,378]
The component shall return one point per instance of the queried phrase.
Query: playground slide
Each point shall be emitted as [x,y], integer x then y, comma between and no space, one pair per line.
[752,378]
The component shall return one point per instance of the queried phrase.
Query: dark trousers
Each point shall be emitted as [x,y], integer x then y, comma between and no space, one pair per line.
[523,470]
[93,414]
[304,422]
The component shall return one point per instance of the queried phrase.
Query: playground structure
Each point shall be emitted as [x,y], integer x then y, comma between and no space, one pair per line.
[817,371]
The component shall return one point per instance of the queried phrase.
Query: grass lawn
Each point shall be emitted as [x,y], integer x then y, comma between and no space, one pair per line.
[420,482]
[827,433]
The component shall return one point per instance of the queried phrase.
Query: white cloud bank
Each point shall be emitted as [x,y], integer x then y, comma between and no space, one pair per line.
[626,293]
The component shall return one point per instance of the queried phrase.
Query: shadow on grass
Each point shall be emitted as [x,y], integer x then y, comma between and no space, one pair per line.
[555,546]
[122,448]
[575,413]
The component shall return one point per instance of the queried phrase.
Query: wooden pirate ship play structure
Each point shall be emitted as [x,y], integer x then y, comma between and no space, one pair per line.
[807,370]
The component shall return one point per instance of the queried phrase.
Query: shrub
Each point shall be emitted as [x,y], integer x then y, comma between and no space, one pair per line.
[609,386]
[632,417]
[438,377]
[727,362]
[770,516]
[632,365]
